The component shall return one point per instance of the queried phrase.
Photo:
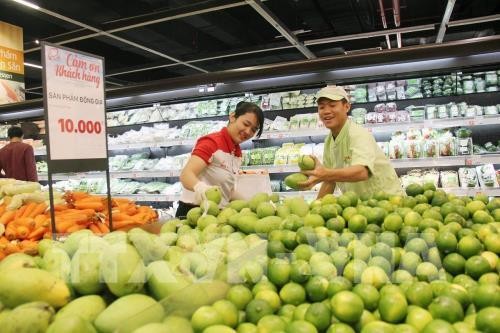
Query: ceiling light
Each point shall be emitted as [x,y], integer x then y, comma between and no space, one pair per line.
[27,4]
[32,65]
[37,41]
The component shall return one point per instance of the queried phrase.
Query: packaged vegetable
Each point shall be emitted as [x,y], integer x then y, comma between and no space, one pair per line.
[449,179]
[487,176]
[468,177]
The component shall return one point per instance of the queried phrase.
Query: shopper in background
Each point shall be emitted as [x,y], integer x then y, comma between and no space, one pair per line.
[17,159]
[216,157]
[352,159]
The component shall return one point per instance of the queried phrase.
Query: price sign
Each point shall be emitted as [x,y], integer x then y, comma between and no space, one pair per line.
[75,104]
[471,122]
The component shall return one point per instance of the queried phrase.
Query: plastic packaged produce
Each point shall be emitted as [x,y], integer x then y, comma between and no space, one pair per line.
[490,110]
[402,116]
[490,147]
[487,175]
[359,115]
[430,148]
[413,148]
[396,149]
[442,112]
[453,110]
[449,179]
[371,118]
[491,78]
[431,176]
[468,177]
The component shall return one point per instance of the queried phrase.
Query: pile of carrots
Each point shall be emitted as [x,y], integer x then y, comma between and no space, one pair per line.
[31,222]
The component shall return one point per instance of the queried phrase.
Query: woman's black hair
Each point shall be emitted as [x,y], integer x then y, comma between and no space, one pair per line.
[247,107]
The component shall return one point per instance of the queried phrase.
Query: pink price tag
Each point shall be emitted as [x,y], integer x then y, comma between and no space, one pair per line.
[471,122]
[468,161]
[280,136]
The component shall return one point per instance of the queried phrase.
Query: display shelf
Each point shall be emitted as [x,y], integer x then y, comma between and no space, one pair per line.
[470,192]
[469,160]
[149,197]
[374,128]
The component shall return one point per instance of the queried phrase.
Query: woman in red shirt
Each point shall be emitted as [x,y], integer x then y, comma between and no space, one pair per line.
[216,158]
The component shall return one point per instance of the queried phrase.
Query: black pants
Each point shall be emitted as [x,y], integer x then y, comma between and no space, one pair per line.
[183,209]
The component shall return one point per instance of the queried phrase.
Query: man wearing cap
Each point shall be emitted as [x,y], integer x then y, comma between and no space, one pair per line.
[352,159]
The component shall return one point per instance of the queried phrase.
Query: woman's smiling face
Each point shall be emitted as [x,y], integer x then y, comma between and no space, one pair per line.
[243,128]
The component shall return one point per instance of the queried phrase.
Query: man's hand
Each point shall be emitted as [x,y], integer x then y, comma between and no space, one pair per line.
[316,176]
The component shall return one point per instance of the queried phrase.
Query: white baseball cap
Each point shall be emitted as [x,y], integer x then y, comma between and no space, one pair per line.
[335,93]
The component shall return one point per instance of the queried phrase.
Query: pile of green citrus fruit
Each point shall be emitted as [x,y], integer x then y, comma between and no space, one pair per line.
[425,262]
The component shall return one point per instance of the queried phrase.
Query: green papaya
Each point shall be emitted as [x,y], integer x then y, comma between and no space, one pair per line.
[86,272]
[87,307]
[33,317]
[71,323]
[17,260]
[153,328]
[23,285]
[71,244]
[46,244]
[116,237]
[128,313]
[123,270]
[149,246]
[163,280]
[57,262]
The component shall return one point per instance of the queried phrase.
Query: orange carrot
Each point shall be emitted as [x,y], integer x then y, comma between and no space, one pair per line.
[125,223]
[41,220]
[103,227]
[30,207]
[39,209]
[3,208]
[12,247]
[37,233]
[76,227]
[24,221]
[64,225]
[77,195]
[7,217]
[20,211]
[60,207]
[96,205]
[22,232]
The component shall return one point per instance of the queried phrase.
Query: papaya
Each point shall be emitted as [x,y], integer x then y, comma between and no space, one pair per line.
[57,262]
[123,270]
[87,307]
[116,237]
[29,317]
[153,328]
[149,246]
[128,313]
[163,280]
[17,260]
[71,323]
[85,276]
[178,324]
[46,244]
[73,241]
[23,285]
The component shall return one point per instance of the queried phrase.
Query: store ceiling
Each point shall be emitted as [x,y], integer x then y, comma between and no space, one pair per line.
[146,40]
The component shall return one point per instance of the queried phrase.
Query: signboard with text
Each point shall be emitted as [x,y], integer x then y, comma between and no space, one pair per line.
[74,109]
[11,64]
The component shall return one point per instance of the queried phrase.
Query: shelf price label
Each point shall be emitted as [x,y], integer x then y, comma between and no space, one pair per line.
[75,104]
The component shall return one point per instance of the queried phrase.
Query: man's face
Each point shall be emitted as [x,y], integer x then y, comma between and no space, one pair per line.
[333,113]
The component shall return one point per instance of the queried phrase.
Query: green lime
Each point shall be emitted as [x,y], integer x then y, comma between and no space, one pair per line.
[257,309]
[487,320]
[454,264]
[316,288]
[263,285]
[393,222]
[476,266]
[338,284]
[246,328]
[420,294]
[303,252]
[204,317]
[301,326]
[369,294]
[418,317]
[319,315]
[278,271]
[378,327]
[271,297]
[446,308]
[438,326]
[446,242]
[375,276]
[340,328]
[469,246]
[347,306]
[427,271]
[475,206]
[393,307]
[270,324]
[354,269]
[458,293]
[357,223]
[227,311]
[336,223]
[409,262]
[292,293]
[486,295]
[240,296]
[300,271]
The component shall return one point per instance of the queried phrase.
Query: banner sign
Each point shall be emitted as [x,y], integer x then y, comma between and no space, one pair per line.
[11,64]
[75,104]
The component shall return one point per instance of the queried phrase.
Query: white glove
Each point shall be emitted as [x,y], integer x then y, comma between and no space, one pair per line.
[199,192]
